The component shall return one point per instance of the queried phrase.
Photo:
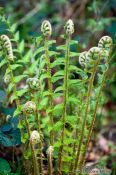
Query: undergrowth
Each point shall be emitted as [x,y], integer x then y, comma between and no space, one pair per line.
[57,104]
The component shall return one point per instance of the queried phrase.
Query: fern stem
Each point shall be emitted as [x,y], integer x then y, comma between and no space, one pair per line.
[40,150]
[35,169]
[65,95]
[50,164]
[50,88]
[37,120]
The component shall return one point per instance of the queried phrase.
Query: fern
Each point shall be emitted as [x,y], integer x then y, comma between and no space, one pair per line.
[58,101]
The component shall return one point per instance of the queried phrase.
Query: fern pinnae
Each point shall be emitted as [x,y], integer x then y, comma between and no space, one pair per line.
[69,29]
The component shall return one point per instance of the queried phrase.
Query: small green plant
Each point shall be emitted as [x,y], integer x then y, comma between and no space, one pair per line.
[48,75]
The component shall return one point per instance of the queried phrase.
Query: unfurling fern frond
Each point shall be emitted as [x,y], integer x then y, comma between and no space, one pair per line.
[8,46]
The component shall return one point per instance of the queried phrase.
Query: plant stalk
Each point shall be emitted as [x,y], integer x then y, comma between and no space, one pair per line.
[50,88]
[50,165]
[34,159]
[65,95]
[37,120]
